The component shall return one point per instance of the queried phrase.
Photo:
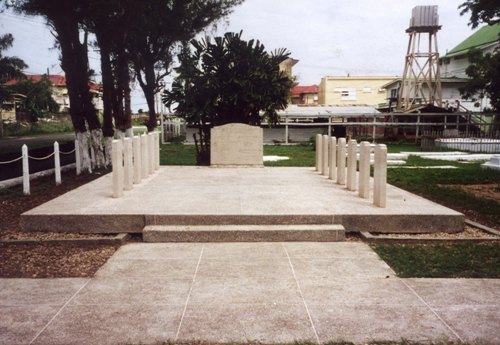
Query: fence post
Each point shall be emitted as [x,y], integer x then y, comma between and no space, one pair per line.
[26,171]
[380,176]
[151,151]
[128,164]
[117,159]
[144,156]
[351,165]
[137,159]
[157,150]
[332,173]
[319,142]
[364,170]
[57,163]
[324,159]
[78,160]
[341,161]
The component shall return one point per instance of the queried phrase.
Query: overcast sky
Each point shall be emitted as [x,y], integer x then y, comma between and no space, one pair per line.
[328,37]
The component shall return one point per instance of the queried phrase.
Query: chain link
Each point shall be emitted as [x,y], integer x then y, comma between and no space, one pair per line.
[41,158]
[67,153]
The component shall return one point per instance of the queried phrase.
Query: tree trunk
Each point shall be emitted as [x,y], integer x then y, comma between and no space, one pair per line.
[148,83]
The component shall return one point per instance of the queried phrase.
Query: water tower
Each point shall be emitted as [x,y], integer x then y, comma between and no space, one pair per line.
[421,83]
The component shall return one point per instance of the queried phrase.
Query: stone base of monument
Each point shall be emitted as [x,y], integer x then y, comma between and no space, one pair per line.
[267,197]
[244,233]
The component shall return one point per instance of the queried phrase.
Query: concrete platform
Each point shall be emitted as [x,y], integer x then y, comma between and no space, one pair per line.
[247,292]
[177,195]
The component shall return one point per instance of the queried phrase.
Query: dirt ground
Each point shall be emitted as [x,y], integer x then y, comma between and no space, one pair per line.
[45,260]
[487,191]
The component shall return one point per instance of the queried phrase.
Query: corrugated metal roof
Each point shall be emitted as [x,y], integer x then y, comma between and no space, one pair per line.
[327,110]
[483,37]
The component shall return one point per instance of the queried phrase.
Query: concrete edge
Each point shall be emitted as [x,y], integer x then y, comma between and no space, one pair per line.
[482,227]
[368,237]
[19,180]
[119,239]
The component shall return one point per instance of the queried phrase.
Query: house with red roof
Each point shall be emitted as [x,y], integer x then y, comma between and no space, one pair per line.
[305,94]
[60,90]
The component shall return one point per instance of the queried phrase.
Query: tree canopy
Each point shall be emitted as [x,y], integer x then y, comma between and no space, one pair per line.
[38,99]
[481,11]
[11,67]
[228,80]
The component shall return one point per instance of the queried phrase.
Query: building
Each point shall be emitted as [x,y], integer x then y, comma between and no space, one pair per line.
[357,90]
[287,65]
[60,91]
[456,61]
[305,94]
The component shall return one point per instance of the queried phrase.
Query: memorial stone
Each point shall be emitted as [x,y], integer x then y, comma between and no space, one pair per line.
[236,144]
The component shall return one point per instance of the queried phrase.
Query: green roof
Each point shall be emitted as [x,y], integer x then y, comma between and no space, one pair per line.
[486,35]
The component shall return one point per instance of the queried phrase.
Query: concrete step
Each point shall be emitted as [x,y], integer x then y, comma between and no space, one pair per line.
[244,233]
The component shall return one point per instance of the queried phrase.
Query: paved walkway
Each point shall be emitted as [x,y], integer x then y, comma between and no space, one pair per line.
[267,292]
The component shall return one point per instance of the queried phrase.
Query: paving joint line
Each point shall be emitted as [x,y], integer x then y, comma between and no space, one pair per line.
[59,311]
[301,295]
[432,310]
[189,293]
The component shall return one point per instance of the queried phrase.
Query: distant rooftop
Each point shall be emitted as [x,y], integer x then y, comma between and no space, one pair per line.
[327,110]
[485,36]
[299,90]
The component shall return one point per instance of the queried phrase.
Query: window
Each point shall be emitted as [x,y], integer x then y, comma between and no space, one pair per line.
[367,89]
[348,94]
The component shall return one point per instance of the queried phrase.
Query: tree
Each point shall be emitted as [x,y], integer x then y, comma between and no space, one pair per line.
[156,28]
[39,101]
[227,80]
[10,67]
[481,11]
[65,18]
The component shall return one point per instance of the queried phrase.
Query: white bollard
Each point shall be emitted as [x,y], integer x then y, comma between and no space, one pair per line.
[78,161]
[137,159]
[26,171]
[117,159]
[157,149]
[332,172]
[57,163]
[351,165]
[128,164]
[324,159]
[341,161]
[380,176]
[318,151]
[364,170]
[151,150]
[144,156]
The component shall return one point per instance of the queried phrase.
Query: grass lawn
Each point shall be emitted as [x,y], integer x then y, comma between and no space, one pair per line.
[465,260]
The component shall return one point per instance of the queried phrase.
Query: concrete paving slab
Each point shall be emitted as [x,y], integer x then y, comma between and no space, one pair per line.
[266,292]
[473,323]
[362,323]
[246,322]
[112,324]
[179,195]
[451,292]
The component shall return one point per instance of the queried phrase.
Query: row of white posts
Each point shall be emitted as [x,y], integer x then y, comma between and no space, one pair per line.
[134,159]
[331,161]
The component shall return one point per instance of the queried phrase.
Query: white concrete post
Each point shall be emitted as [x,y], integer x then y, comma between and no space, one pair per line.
[137,159]
[380,176]
[128,164]
[117,159]
[324,159]
[341,161]
[57,163]
[26,171]
[351,165]
[319,142]
[144,156]
[364,170]
[151,151]
[78,160]
[157,150]
[332,172]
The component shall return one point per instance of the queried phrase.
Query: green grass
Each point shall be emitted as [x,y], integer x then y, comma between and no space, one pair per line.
[300,155]
[20,129]
[467,260]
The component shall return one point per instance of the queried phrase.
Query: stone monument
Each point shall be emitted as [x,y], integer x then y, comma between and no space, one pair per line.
[236,144]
